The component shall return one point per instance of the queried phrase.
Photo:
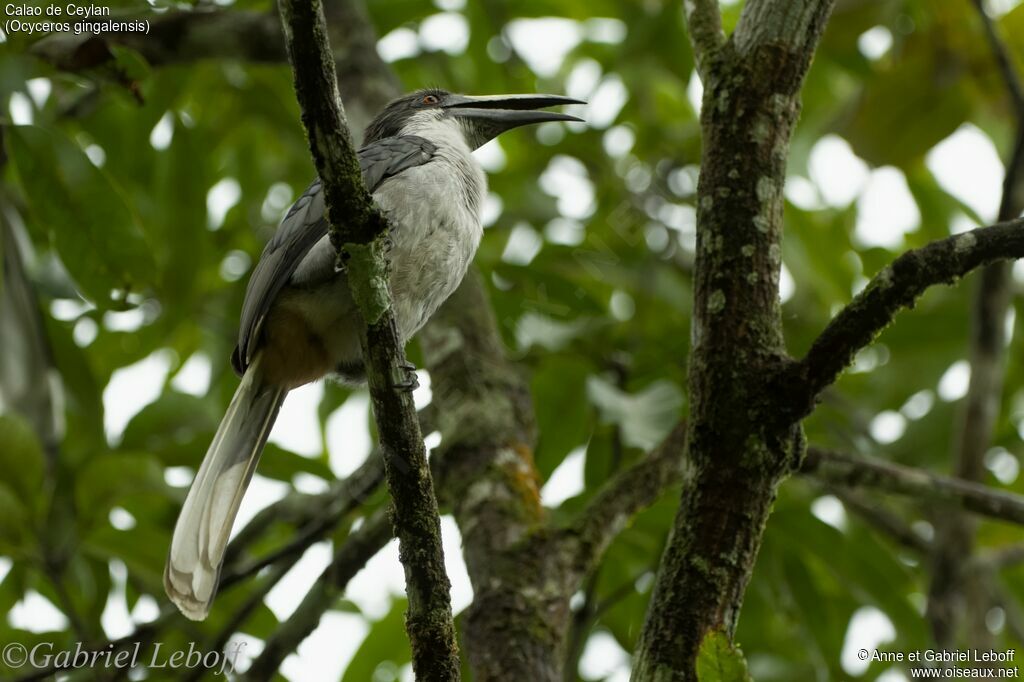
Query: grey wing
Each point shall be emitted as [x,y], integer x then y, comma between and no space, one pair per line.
[304,226]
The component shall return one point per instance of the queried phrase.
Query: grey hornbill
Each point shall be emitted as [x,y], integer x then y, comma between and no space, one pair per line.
[299,322]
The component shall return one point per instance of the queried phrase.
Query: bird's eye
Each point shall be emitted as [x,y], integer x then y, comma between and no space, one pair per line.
[430,99]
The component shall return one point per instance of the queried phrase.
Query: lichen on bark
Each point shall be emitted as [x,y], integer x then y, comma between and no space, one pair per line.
[367,267]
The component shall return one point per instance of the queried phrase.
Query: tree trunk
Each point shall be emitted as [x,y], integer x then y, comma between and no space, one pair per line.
[738,448]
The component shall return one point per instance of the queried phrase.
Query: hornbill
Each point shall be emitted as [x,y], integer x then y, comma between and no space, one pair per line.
[299,322]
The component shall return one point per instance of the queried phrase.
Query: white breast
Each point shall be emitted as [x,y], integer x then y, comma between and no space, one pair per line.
[435,213]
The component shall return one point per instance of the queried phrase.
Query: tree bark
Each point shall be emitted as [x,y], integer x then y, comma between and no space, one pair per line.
[738,448]
[514,627]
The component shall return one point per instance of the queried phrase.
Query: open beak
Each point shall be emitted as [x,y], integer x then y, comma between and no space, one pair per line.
[488,116]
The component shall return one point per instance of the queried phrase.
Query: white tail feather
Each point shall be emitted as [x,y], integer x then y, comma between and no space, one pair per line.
[204,525]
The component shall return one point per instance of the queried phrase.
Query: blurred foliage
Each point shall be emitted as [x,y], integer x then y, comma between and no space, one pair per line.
[595,305]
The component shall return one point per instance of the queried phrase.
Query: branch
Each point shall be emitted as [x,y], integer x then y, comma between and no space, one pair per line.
[360,546]
[314,516]
[994,560]
[362,237]
[626,494]
[954,596]
[896,287]
[26,363]
[738,452]
[180,37]
[253,601]
[1003,59]
[846,470]
[704,21]
[881,519]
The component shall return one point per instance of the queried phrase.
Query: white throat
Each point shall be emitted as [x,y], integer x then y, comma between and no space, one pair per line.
[434,125]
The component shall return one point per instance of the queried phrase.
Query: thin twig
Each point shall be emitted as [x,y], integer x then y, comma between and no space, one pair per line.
[998,559]
[627,493]
[1003,58]
[353,555]
[315,516]
[881,519]
[847,470]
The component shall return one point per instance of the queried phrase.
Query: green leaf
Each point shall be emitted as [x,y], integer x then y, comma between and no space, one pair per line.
[143,553]
[83,391]
[283,465]
[21,459]
[78,208]
[15,525]
[887,127]
[719,661]
[559,397]
[1011,31]
[130,64]
[110,477]
[385,645]
[177,428]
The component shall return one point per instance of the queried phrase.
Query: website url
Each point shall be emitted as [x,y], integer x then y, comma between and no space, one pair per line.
[964,673]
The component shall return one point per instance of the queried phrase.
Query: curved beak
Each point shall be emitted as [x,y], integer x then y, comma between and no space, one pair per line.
[486,117]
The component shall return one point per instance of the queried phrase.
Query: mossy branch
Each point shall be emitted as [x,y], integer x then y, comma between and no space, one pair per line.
[356,225]
[896,287]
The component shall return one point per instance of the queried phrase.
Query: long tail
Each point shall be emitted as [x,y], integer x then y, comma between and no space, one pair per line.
[201,534]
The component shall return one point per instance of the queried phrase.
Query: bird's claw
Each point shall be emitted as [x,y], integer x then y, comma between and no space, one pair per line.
[411,381]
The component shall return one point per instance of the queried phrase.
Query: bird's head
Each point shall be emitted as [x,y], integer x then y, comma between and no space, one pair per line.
[477,119]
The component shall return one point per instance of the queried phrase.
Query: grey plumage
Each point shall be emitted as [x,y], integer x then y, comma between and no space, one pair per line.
[298,319]
[304,226]
[298,263]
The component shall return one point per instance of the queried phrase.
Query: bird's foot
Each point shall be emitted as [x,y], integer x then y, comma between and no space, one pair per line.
[411,381]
